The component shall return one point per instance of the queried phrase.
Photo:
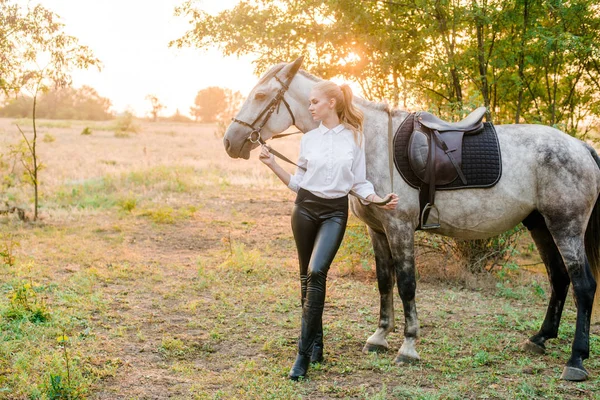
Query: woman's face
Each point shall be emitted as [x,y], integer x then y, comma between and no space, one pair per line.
[320,106]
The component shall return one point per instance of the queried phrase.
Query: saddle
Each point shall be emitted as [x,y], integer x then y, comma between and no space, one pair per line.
[429,155]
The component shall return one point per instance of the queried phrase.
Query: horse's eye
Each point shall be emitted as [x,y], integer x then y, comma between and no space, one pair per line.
[260,96]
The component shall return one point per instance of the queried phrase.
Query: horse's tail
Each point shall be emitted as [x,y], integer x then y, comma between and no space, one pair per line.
[592,242]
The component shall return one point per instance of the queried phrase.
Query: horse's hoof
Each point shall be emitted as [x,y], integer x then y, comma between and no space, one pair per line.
[574,374]
[374,348]
[404,359]
[531,347]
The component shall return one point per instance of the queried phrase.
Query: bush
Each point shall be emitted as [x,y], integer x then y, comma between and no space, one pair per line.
[126,123]
[480,255]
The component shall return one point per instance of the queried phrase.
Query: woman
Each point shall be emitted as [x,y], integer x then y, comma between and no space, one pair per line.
[331,163]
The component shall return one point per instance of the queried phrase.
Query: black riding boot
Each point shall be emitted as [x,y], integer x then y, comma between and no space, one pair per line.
[311,322]
[317,353]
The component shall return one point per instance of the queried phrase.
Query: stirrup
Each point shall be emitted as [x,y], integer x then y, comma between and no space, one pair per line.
[436,225]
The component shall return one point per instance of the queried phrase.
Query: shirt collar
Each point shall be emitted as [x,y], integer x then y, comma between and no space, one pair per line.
[323,129]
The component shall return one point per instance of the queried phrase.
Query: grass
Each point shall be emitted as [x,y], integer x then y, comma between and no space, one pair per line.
[159,276]
[47,336]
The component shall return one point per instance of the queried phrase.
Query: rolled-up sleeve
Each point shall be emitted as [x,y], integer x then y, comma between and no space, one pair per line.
[297,177]
[361,185]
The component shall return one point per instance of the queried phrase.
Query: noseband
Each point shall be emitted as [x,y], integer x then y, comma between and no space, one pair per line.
[273,106]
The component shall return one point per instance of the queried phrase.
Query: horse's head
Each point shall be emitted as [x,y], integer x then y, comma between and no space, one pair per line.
[263,115]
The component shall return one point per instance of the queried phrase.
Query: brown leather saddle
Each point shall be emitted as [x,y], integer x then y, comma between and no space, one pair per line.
[435,155]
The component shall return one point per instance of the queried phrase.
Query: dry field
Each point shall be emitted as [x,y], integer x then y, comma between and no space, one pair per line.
[162,269]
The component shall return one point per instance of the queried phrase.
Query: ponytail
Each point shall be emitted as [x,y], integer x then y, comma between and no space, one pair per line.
[350,116]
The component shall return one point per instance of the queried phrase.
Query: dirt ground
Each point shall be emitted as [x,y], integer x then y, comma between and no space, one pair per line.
[196,292]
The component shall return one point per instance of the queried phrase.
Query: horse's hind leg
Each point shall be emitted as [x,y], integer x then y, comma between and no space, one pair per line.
[385,280]
[570,243]
[559,281]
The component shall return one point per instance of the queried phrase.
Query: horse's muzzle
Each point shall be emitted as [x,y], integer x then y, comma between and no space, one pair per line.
[237,152]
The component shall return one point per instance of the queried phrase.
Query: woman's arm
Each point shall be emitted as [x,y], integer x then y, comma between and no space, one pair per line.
[269,160]
[365,188]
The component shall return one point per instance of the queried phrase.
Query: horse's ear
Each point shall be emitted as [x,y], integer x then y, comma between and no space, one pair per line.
[292,68]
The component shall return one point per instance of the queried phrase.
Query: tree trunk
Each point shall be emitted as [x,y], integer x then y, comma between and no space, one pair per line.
[481,59]
[521,61]
[449,41]
[34,158]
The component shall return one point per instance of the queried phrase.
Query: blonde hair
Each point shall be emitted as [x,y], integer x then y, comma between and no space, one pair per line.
[350,116]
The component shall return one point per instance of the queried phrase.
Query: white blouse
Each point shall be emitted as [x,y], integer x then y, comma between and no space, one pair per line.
[334,164]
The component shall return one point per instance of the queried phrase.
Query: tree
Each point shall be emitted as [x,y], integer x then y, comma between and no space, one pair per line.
[524,59]
[36,56]
[209,104]
[156,105]
[233,102]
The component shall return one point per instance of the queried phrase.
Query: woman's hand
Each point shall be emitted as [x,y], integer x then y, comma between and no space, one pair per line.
[265,156]
[392,203]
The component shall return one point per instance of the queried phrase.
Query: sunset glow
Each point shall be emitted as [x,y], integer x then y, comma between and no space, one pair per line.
[131,39]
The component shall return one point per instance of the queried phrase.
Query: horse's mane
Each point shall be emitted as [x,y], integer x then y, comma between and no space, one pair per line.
[378,106]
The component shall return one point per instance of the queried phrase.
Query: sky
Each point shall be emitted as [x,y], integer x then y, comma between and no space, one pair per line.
[130,37]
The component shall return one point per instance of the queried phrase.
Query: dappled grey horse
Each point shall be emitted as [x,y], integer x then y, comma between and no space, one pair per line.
[550,181]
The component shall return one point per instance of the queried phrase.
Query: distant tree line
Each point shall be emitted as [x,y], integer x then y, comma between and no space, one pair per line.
[532,61]
[212,104]
[61,103]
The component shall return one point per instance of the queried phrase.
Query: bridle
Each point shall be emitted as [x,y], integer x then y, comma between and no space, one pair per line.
[273,106]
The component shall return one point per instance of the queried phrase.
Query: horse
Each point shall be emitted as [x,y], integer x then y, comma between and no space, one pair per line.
[550,182]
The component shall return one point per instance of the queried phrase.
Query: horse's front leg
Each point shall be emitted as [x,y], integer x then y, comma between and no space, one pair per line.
[384,266]
[401,241]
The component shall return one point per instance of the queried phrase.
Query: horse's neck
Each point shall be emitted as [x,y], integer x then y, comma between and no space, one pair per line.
[376,125]
[301,92]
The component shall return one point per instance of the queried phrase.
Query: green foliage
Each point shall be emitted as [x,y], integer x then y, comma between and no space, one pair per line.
[125,124]
[243,260]
[173,348]
[94,193]
[128,204]
[59,390]
[478,255]
[356,252]
[36,53]
[527,61]
[25,303]
[131,191]
[7,249]
[168,215]
[488,253]
[86,131]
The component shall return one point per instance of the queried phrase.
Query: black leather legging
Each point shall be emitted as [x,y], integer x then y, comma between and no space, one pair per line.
[318,225]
